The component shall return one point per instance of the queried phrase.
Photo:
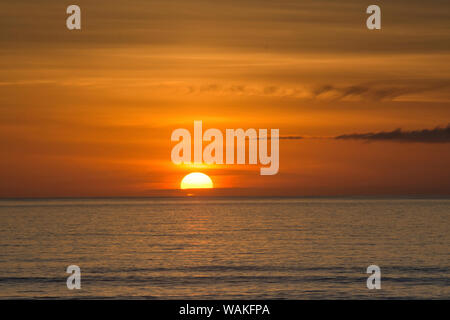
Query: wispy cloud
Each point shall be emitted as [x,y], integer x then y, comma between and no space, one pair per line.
[291,137]
[436,135]
[377,91]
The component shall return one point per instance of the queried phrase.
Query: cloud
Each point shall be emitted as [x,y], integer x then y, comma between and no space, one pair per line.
[436,135]
[377,91]
[374,91]
[291,137]
[322,25]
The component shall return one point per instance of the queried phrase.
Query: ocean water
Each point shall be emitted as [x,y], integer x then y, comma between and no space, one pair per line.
[230,248]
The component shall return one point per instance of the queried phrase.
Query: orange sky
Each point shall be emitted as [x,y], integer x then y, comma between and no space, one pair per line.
[90,112]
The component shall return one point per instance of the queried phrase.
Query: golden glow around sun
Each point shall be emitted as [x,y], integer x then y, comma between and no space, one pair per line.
[196,180]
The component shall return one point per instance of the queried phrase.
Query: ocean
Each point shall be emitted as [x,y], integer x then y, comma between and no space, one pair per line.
[225,248]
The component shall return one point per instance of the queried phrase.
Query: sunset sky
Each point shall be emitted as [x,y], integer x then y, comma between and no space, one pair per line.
[91,112]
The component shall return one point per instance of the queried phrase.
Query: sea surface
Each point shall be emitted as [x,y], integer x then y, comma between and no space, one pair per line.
[229,248]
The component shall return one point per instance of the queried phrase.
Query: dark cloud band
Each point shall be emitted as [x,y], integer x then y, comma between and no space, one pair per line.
[436,135]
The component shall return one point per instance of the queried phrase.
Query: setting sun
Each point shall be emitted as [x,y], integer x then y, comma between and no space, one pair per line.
[196,180]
